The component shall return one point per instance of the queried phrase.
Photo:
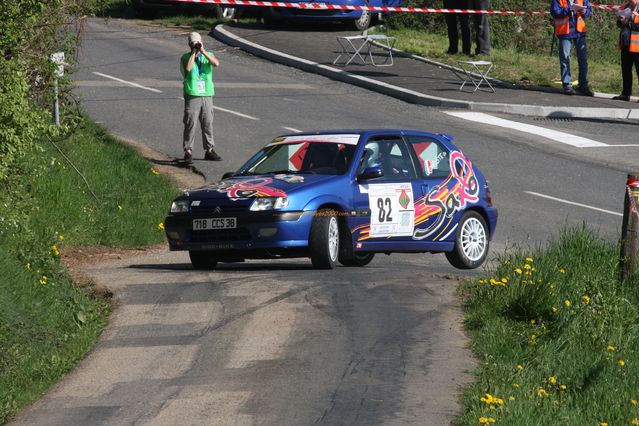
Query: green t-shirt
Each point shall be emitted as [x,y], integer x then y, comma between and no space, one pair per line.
[199,82]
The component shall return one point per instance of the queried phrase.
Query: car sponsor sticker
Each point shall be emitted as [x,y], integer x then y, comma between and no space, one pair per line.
[392,210]
[347,139]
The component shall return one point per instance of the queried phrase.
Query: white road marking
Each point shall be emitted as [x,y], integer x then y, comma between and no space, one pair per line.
[127,82]
[239,114]
[573,203]
[291,129]
[566,138]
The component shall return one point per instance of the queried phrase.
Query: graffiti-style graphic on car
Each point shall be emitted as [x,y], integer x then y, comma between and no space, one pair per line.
[255,187]
[444,201]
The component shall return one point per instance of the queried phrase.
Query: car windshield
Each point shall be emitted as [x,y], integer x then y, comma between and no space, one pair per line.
[317,157]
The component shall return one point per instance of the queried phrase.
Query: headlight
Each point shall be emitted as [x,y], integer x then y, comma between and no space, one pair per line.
[181,206]
[269,203]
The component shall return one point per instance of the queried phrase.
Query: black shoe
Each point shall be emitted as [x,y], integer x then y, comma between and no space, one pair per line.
[622,98]
[586,91]
[211,155]
[568,90]
[188,156]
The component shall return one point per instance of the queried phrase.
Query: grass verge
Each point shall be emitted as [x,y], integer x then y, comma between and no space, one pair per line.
[48,323]
[557,337]
[510,66]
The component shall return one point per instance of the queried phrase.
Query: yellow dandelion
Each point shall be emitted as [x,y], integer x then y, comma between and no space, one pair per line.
[562,271]
[603,424]
[527,266]
[552,380]
[516,385]
[611,348]
[554,309]
[155,172]
[54,250]
[28,266]
[533,322]
[161,226]
[61,237]
[633,401]
[43,280]
[518,270]
[520,367]
[504,280]
[119,206]
[634,421]
[511,398]
[486,420]
[542,392]
[568,303]
[621,362]
[563,387]
[529,259]
[585,299]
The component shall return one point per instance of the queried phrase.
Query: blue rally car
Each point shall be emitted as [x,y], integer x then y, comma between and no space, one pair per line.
[340,196]
[361,19]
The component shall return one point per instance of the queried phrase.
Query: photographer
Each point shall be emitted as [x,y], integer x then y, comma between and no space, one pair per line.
[196,67]
[628,22]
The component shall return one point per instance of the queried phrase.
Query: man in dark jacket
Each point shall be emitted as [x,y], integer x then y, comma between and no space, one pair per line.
[628,22]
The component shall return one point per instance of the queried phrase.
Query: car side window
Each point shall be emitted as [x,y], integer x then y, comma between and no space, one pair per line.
[392,155]
[432,155]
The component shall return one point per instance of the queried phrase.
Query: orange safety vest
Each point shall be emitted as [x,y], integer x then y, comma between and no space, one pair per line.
[634,38]
[562,25]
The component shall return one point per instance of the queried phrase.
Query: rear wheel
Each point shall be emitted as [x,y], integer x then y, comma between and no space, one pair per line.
[226,13]
[203,259]
[364,21]
[324,239]
[471,242]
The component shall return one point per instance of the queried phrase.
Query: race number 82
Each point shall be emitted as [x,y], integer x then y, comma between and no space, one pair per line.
[385,210]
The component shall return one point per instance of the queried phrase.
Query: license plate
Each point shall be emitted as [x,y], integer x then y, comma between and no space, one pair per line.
[214,223]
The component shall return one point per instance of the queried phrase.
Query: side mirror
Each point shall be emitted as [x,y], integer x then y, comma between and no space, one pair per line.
[370,173]
[228,175]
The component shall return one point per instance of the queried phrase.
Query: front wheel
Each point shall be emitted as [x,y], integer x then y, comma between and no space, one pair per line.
[203,259]
[324,239]
[471,242]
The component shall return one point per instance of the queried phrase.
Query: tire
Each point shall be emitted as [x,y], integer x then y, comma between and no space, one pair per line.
[323,240]
[356,259]
[226,13]
[471,242]
[364,21]
[141,11]
[203,259]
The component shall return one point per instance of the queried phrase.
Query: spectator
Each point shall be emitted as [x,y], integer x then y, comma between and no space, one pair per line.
[570,28]
[628,22]
[482,30]
[196,67]
[453,31]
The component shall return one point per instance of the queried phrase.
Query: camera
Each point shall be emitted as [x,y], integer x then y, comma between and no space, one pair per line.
[197,45]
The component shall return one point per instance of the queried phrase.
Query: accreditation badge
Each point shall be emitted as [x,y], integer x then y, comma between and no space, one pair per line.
[201,87]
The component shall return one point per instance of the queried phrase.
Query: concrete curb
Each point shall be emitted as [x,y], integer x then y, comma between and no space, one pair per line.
[224,35]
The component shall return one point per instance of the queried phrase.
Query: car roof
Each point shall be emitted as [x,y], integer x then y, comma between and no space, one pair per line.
[372,132]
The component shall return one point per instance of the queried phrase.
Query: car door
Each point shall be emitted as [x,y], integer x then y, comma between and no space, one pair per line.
[436,205]
[384,205]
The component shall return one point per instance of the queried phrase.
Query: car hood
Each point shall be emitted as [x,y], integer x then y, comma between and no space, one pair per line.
[242,189]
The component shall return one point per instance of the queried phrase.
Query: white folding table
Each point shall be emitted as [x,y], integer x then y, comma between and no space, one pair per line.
[358,48]
[476,72]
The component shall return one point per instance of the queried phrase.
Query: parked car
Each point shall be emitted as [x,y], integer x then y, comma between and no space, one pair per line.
[340,196]
[150,8]
[361,19]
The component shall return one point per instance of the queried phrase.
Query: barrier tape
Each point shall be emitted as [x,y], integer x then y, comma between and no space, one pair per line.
[326,6]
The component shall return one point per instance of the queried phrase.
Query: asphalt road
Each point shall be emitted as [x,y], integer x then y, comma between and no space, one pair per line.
[278,343]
